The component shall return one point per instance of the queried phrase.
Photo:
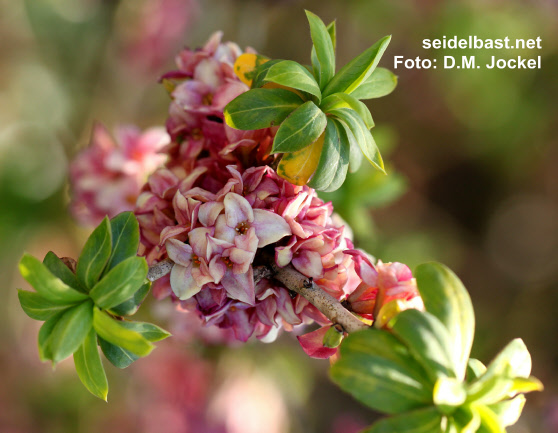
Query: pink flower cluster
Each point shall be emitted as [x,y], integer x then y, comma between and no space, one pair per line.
[107,177]
[219,210]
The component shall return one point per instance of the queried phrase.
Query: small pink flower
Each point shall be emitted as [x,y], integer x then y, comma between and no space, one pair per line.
[107,177]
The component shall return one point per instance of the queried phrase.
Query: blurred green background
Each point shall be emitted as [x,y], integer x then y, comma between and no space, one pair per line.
[472,157]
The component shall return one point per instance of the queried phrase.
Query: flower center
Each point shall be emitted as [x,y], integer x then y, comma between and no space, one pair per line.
[207,99]
[242,227]
[196,260]
[227,262]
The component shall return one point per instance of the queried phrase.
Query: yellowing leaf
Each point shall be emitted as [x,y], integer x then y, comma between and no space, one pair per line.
[298,167]
[245,65]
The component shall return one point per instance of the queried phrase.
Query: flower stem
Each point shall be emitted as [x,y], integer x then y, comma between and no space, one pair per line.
[294,281]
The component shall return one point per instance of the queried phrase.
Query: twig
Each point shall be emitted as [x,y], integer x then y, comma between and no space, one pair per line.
[323,301]
[160,269]
[294,281]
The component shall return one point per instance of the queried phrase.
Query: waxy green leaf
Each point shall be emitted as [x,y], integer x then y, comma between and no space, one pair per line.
[95,255]
[291,74]
[303,127]
[114,332]
[119,357]
[131,305]
[90,368]
[347,136]
[361,134]
[342,100]
[125,238]
[489,421]
[261,71]
[427,420]
[38,307]
[449,393]
[57,267]
[149,331]
[120,283]
[45,332]
[324,61]
[428,341]
[357,71]
[380,83]
[70,331]
[46,284]
[466,420]
[334,160]
[445,297]
[475,369]
[383,344]
[508,411]
[261,108]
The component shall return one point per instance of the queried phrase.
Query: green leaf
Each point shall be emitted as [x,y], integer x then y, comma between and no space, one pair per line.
[380,83]
[303,127]
[330,158]
[131,305]
[261,72]
[514,357]
[427,420]
[120,283]
[90,368]
[37,307]
[95,255]
[291,74]
[361,134]
[57,267]
[475,369]
[380,383]
[70,331]
[119,357]
[342,100]
[114,332]
[149,331]
[489,421]
[357,70]
[46,284]
[45,353]
[324,61]
[260,108]
[509,411]
[383,344]
[428,341]
[466,419]
[449,393]
[347,136]
[332,30]
[445,297]
[125,238]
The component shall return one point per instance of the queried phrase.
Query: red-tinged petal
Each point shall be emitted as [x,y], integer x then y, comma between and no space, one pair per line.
[183,283]
[179,252]
[237,210]
[286,309]
[242,325]
[248,241]
[266,311]
[216,246]
[313,344]
[201,274]
[309,263]
[242,260]
[217,269]
[223,231]
[173,232]
[209,212]
[162,180]
[198,240]
[186,184]
[240,286]
[270,227]
[284,255]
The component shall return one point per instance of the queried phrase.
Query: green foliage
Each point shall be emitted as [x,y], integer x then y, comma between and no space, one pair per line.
[76,321]
[314,99]
[419,369]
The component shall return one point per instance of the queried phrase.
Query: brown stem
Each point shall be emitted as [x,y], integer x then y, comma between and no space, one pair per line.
[294,281]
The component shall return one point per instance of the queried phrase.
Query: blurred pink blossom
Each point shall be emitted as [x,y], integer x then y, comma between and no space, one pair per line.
[106,178]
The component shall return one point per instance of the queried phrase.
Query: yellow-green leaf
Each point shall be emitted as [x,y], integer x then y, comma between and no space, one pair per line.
[90,368]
